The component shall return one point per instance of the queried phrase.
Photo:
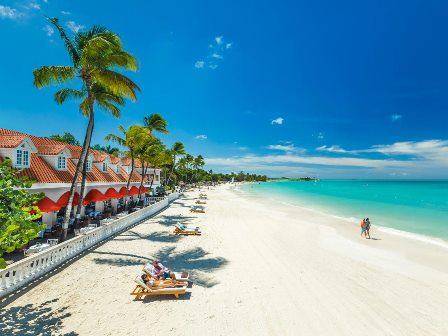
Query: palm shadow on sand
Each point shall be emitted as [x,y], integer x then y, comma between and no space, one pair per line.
[195,261]
[33,320]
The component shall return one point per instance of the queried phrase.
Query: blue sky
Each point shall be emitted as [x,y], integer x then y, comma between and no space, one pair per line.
[333,89]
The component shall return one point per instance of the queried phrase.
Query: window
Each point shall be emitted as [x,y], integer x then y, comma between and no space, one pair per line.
[22,158]
[26,158]
[117,169]
[89,164]
[157,177]
[19,157]
[62,162]
[104,166]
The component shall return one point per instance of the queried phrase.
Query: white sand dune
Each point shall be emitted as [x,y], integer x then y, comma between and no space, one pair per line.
[257,270]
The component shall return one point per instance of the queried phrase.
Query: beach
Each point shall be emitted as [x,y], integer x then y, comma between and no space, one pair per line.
[259,268]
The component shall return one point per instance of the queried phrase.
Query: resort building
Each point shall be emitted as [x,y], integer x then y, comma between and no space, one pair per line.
[51,165]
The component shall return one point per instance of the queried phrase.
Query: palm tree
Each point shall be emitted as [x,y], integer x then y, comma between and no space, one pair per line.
[95,56]
[155,122]
[198,162]
[133,138]
[177,149]
[147,154]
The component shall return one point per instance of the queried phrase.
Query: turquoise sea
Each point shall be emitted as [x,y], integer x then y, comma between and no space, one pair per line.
[419,207]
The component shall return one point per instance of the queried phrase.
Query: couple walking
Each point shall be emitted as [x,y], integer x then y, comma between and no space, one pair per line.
[365,228]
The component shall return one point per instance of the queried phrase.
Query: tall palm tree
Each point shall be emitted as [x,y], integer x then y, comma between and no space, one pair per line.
[96,55]
[177,149]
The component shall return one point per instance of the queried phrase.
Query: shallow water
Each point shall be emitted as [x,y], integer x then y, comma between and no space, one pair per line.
[419,207]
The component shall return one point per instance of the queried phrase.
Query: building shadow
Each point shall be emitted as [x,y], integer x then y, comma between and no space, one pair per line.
[195,260]
[33,320]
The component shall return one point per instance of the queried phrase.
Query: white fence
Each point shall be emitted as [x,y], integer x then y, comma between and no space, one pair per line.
[25,271]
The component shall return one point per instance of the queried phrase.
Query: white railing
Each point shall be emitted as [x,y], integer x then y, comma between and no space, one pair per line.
[25,271]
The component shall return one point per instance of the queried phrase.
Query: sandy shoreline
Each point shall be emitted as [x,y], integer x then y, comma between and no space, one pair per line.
[257,270]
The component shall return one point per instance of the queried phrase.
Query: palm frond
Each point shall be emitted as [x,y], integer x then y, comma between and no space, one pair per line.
[62,95]
[117,83]
[86,106]
[155,122]
[108,106]
[115,138]
[71,49]
[48,75]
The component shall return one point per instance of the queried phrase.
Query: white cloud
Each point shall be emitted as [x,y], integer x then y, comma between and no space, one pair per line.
[201,137]
[33,5]
[429,149]
[290,148]
[217,49]
[277,121]
[199,64]
[65,13]
[219,40]
[74,27]
[9,13]
[332,149]
[242,148]
[216,55]
[395,117]
[48,30]
[424,159]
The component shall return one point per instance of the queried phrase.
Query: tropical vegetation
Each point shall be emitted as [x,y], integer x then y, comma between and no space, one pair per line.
[18,211]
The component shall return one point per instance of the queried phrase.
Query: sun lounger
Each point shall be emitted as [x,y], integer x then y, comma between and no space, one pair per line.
[201,202]
[142,289]
[180,276]
[197,209]
[187,231]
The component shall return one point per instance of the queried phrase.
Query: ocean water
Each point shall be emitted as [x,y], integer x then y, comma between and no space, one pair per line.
[416,207]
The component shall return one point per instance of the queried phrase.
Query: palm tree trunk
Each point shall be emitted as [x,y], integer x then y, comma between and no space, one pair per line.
[168,180]
[82,190]
[129,180]
[82,157]
[143,176]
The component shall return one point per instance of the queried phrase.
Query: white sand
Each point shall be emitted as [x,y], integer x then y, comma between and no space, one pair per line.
[256,270]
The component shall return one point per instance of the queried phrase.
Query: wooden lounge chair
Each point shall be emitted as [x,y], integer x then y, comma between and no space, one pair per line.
[142,289]
[200,202]
[179,276]
[186,231]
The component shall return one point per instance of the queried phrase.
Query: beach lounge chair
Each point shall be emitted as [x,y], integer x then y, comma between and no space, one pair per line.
[186,230]
[197,209]
[200,202]
[180,276]
[142,289]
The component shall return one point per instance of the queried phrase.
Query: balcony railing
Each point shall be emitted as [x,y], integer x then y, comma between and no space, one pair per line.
[27,270]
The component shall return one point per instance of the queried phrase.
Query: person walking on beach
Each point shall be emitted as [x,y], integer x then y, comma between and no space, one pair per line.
[367,228]
[363,228]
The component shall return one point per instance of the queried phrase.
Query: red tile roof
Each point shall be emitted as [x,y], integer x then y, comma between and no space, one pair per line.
[42,171]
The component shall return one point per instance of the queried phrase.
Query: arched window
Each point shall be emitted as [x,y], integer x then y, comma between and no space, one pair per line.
[22,157]
[104,166]
[117,169]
